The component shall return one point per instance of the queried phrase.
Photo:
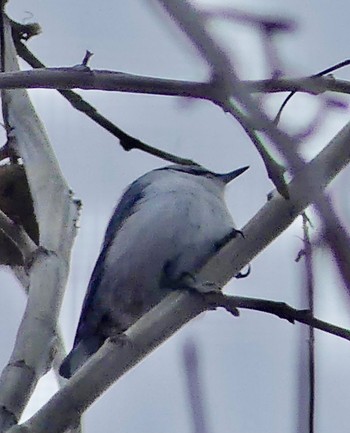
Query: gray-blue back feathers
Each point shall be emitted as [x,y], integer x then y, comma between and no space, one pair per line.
[167,222]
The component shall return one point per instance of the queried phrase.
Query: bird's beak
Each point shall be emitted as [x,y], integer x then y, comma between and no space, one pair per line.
[227,177]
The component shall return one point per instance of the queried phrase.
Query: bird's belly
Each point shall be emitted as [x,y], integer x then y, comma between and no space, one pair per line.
[175,236]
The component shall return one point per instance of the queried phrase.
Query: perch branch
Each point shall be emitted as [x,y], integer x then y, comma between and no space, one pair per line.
[279,309]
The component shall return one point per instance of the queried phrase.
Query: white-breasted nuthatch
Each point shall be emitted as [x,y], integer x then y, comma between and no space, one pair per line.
[165,227]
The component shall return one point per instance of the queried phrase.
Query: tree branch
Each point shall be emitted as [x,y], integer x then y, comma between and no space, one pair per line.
[279,309]
[312,85]
[113,81]
[56,213]
[88,79]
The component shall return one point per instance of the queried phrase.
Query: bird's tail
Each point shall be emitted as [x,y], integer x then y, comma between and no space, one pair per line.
[80,353]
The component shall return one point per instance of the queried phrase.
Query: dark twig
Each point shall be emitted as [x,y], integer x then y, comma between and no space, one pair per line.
[7,150]
[279,309]
[332,68]
[4,152]
[126,141]
[87,57]
[319,74]
[338,240]
[195,391]
[268,27]
[310,294]
[266,23]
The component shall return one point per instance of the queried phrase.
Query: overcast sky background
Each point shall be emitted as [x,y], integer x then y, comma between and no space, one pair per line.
[249,366]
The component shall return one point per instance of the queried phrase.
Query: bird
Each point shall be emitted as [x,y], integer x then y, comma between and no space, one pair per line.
[166,225]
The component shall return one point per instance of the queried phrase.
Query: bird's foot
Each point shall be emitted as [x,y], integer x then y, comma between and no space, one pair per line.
[119,338]
[231,235]
[186,280]
[192,282]
[208,291]
[243,274]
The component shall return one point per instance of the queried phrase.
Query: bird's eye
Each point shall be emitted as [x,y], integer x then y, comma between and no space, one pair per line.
[209,175]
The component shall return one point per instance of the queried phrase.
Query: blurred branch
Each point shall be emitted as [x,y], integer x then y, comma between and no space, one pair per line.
[268,26]
[194,388]
[311,85]
[188,18]
[265,23]
[338,239]
[228,87]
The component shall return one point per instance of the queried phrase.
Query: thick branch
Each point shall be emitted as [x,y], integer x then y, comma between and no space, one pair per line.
[75,78]
[87,79]
[56,214]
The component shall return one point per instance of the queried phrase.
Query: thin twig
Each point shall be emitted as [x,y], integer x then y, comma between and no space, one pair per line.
[332,68]
[279,309]
[228,86]
[87,57]
[275,171]
[317,75]
[126,141]
[310,294]
[277,24]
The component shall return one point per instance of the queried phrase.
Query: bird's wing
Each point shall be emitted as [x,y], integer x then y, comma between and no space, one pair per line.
[125,208]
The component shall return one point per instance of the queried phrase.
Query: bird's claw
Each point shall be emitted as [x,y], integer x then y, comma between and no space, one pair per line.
[239,232]
[191,282]
[243,274]
[119,338]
